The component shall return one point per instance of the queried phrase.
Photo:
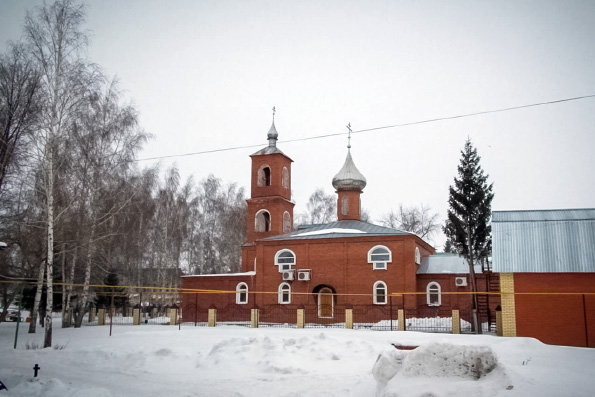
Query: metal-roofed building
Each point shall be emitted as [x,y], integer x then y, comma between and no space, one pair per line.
[544,241]
[546,261]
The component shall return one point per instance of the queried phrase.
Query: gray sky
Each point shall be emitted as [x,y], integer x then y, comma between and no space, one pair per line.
[205,74]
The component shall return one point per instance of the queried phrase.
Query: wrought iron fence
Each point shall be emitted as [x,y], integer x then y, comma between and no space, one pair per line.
[281,316]
[375,317]
[324,316]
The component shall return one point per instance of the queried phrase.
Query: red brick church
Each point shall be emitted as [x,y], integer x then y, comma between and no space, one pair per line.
[327,267]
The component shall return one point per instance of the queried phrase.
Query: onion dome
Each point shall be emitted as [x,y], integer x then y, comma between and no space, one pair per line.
[272,135]
[349,178]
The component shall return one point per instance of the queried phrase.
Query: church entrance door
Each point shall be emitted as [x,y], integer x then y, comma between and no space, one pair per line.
[325,303]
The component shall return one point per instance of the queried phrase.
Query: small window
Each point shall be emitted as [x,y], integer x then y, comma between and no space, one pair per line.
[344,206]
[285,259]
[286,222]
[417,256]
[242,294]
[262,222]
[285,180]
[433,294]
[264,176]
[379,257]
[284,294]
[380,293]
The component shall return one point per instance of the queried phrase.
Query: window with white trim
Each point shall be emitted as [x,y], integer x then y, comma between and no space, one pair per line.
[285,180]
[262,221]
[242,293]
[344,205]
[264,176]
[434,294]
[380,293]
[284,294]
[417,256]
[379,257]
[285,260]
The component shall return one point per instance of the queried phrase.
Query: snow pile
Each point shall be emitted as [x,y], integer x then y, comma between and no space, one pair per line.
[159,360]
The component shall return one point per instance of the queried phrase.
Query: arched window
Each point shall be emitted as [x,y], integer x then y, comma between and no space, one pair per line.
[284,294]
[417,256]
[344,205]
[242,293]
[380,293]
[433,294]
[285,259]
[286,222]
[379,256]
[262,221]
[285,180]
[264,176]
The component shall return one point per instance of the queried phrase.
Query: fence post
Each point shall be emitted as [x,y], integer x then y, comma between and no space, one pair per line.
[349,318]
[101,316]
[456,322]
[499,330]
[401,317]
[212,317]
[254,318]
[300,318]
[173,315]
[136,315]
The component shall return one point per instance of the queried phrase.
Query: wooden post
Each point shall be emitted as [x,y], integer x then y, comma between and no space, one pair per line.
[254,318]
[456,322]
[212,317]
[349,318]
[401,317]
[300,318]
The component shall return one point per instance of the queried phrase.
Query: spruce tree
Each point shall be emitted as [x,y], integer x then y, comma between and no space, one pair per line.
[467,226]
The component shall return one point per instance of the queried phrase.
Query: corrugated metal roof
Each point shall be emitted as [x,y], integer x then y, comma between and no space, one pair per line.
[338,229]
[445,264]
[545,241]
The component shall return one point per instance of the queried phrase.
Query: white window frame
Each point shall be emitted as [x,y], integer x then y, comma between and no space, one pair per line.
[261,177]
[284,267]
[285,176]
[377,264]
[281,293]
[417,256]
[376,285]
[433,288]
[286,222]
[241,288]
[264,225]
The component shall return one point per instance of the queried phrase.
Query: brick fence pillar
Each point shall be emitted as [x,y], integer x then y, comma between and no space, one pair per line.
[254,318]
[456,322]
[136,315]
[401,317]
[300,318]
[212,317]
[101,316]
[508,304]
[349,318]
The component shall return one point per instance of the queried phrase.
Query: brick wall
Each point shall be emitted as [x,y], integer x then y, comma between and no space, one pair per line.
[556,319]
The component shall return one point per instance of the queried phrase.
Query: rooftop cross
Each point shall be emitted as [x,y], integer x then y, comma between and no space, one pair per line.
[274,111]
[349,136]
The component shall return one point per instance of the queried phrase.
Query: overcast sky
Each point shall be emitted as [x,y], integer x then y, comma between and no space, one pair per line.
[205,74]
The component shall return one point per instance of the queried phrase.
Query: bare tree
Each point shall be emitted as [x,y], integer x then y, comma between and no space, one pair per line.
[420,221]
[56,42]
[321,208]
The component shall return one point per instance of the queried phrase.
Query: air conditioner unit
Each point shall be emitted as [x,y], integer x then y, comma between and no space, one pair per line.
[288,275]
[461,281]
[304,275]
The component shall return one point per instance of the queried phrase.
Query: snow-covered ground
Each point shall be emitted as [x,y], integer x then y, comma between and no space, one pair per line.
[157,360]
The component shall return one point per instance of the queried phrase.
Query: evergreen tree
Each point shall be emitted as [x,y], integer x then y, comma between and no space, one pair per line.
[467,226]
[103,296]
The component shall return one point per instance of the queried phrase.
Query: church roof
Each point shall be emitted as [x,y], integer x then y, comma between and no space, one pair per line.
[544,241]
[349,176]
[347,228]
[446,264]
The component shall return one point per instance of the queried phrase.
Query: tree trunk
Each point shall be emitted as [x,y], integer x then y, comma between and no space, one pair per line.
[82,305]
[35,311]
[70,281]
[50,253]
[477,319]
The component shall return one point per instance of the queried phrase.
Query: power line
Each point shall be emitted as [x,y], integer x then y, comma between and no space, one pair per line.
[375,128]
